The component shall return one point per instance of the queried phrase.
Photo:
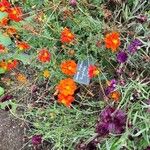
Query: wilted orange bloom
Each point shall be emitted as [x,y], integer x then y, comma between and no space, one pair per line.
[15,14]
[112,41]
[21,78]
[4,5]
[44,55]
[115,95]
[2,48]
[66,100]
[4,21]
[66,87]
[67,36]
[93,71]
[23,45]
[11,31]
[68,67]
[46,73]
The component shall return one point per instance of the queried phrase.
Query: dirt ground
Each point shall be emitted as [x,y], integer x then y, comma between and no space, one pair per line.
[11,134]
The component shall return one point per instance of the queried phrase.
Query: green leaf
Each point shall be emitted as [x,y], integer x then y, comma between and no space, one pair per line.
[2,71]
[5,40]
[3,15]
[1,91]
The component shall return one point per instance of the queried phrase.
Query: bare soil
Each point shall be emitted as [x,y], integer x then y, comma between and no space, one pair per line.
[11,132]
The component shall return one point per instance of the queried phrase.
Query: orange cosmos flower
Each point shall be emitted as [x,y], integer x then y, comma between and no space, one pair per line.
[66,100]
[115,95]
[44,55]
[4,5]
[4,21]
[11,31]
[112,41]
[68,67]
[15,14]
[23,45]
[93,71]
[66,87]
[67,36]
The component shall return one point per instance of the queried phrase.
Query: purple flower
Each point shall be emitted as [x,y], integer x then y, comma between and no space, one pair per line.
[6,98]
[122,57]
[111,121]
[73,3]
[111,87]
[142,18]
[134,45]
[37,139]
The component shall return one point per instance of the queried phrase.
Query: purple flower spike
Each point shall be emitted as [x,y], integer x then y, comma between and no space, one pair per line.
[36,139]
[122,57]
[134,45]
[111,121]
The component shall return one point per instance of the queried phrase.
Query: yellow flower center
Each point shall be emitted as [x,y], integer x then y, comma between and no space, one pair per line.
[14,12]
[115,41]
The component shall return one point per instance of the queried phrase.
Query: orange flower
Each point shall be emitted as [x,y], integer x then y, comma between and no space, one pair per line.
[115,95]
[68,67]
[66,87]
[44,55]
[4,21]
[11,31]
[4,5]
[15,14]
[67,36]
[66,100]
[3,64]
[23,45]
[11,64]
[112,41]
[8,65]
[2,48]
[93,71]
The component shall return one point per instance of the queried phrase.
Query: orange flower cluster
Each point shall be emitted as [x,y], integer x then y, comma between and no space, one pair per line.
[44,55]
[66,89]
[68,67]
[93,71]
[112,41]
[23,45]
[14,13]
[67,36]
[8,65]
